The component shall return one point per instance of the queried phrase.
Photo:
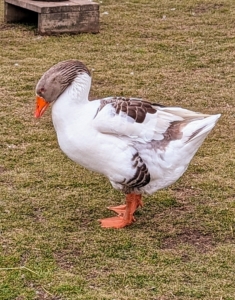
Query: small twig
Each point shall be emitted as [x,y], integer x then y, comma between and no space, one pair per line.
[23,267]
[20,268]
[47,292]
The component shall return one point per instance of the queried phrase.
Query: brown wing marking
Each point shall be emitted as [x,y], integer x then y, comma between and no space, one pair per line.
[134,108]
[172,133]
[195,133]
[141,177]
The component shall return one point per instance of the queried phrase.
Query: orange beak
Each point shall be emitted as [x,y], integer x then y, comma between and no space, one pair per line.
[41,106]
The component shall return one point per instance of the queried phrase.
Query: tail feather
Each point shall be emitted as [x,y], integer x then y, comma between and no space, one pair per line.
[199,128]
[194,134]
[184,113]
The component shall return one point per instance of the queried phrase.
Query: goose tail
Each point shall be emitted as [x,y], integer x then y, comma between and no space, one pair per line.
[198,129]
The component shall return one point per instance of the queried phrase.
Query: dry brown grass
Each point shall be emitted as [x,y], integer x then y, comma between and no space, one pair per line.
[182,245]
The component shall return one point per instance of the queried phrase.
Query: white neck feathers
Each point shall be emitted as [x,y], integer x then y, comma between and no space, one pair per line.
[79,88]
[69,103]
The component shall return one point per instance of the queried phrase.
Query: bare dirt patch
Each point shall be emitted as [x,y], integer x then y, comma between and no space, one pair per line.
[202,242]
[2,169]
[207,7]
[66,258]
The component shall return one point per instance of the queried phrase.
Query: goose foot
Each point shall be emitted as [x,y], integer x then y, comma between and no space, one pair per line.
[125,213]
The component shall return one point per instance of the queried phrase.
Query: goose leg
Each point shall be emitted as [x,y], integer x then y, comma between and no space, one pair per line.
[120,209]
[125,213]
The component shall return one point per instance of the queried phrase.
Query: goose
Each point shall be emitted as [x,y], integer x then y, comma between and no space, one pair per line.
[139,146]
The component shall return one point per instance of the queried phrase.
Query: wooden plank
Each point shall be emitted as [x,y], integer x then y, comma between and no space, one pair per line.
[24,4]
[73,16]
[72,22]
[18,14]
[53,7]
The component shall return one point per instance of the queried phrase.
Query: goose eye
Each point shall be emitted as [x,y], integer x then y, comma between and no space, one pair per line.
[41,91]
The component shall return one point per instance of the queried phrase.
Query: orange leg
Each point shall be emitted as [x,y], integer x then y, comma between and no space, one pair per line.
[120,209]
[125,212]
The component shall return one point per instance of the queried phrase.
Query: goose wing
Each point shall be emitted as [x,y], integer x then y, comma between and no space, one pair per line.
[140,120]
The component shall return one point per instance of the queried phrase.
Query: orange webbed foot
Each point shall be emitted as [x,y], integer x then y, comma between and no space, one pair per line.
[114,222]
[120,209]
[125,213]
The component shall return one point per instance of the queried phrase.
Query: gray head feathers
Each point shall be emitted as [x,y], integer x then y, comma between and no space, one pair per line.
[54,81]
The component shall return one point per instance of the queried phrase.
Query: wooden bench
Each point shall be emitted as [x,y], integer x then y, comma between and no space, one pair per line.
[72,16]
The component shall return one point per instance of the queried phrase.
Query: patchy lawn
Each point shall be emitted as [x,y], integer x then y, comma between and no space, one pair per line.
[182,246]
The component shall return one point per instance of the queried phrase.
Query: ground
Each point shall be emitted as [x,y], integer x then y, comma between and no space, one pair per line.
[182,244]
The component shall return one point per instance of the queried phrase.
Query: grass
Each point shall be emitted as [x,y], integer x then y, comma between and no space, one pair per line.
[182,245]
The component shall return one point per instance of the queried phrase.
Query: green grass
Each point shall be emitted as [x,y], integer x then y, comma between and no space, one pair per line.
[177,52]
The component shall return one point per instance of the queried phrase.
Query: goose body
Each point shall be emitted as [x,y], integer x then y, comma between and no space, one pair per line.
[140,147]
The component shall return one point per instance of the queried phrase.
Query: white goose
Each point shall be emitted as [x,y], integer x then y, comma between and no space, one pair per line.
[141,147]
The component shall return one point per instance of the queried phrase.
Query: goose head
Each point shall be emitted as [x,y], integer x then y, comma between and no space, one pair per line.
[55,81]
